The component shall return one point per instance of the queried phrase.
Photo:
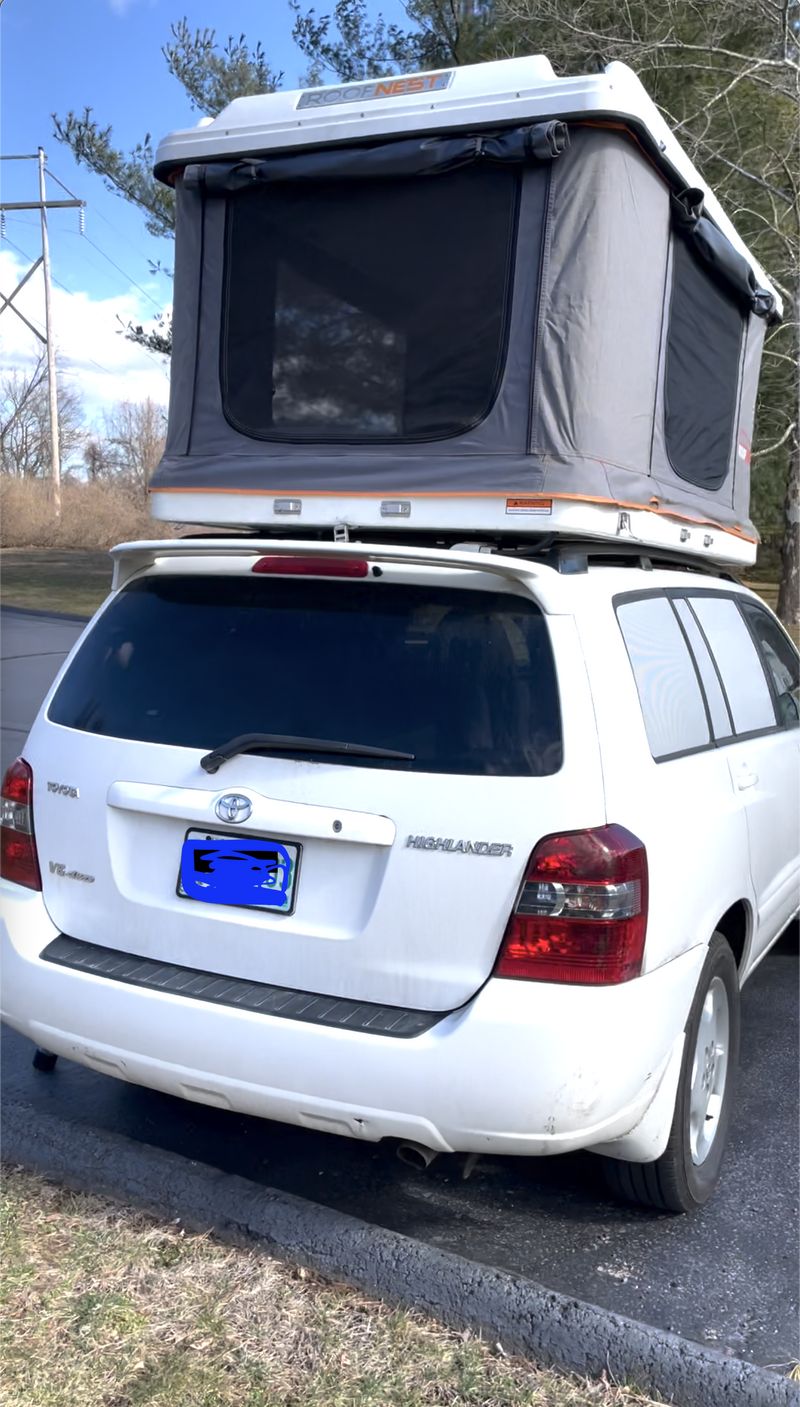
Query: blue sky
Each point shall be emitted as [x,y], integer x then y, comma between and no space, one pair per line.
[106,54]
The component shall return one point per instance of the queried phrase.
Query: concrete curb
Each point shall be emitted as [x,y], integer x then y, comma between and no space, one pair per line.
[525,1317]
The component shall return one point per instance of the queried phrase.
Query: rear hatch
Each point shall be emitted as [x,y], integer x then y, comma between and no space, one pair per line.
[381,878]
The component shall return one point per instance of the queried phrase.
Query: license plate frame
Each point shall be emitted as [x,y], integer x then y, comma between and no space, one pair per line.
[245,842]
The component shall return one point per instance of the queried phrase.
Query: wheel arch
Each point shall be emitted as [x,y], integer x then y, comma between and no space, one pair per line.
[736,926]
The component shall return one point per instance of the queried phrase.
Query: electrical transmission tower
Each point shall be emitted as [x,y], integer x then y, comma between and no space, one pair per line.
[48,340]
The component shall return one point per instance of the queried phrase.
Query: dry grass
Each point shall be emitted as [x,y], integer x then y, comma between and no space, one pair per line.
[93,516]
[108,1308]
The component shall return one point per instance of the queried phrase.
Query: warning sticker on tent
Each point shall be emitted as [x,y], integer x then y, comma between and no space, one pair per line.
[378,88]
[529,505]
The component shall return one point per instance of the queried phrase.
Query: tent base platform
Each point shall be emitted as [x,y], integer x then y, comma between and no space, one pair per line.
[493,518]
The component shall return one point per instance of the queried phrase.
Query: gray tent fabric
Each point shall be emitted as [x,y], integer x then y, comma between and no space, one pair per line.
[602,300]
[580,410]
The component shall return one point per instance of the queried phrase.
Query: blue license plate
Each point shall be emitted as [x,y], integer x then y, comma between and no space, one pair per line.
[251,872]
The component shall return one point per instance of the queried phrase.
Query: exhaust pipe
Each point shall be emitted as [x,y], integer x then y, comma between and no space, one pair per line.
[416,1155]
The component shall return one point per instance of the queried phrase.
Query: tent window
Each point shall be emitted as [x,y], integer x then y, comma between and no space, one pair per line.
[372,310]
[704,342]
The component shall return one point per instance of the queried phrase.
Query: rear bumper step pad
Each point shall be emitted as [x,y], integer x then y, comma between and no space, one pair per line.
[116,966]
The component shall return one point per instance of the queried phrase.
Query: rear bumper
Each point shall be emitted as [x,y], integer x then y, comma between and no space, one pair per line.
[525,1068]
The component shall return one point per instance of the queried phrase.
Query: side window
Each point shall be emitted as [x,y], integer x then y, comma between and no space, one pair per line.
[721,720]
[672,703]
[701,384]
[738,662]
[780,660]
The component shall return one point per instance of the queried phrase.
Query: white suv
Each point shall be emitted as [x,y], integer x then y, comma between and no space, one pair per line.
[460,847]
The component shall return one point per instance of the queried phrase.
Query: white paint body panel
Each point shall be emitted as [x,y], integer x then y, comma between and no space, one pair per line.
[519,1066]
[526,1068]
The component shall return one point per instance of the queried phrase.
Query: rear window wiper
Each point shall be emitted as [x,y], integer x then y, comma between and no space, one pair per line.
[278,742]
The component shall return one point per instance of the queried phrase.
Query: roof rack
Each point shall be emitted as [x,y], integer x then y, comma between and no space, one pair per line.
[569,556]
[573,556]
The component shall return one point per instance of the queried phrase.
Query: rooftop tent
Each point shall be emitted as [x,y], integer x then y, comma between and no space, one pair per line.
[513,309]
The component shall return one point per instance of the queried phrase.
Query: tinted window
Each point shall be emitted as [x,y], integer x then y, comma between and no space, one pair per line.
[368,310]
[462,679]
[737,660]
[780,660]
[672,704]
[715,698]
[701,387]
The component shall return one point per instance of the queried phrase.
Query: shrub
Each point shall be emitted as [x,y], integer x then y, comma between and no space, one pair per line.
[93,516]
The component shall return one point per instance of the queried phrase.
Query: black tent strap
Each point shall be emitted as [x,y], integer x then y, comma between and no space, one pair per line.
[715,251]
[417,156]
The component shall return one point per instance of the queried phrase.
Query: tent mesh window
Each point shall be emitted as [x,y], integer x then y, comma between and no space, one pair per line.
[701,391]
[369,310]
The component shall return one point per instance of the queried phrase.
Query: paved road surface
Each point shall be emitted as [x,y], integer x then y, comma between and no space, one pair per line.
[727,1277]
[32,647]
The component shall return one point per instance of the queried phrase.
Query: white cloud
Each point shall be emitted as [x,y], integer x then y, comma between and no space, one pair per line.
[120,7]
[93,354]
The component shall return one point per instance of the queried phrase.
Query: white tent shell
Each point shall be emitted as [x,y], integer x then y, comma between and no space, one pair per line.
[587,430]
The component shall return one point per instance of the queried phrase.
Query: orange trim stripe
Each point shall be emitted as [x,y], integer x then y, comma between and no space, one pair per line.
[653,507]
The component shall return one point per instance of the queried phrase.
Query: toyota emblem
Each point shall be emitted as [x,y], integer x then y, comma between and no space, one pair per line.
[232,807]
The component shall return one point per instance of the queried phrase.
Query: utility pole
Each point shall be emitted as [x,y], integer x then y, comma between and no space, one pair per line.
[52,384]
[43,205]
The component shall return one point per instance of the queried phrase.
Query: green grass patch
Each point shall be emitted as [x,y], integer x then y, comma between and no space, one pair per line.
[108,1308]
[52,579]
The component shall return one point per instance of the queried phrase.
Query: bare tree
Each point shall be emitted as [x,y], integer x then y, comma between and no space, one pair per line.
[25,423]
[131,445]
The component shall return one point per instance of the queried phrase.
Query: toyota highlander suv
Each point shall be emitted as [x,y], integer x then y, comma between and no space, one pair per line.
[461,847]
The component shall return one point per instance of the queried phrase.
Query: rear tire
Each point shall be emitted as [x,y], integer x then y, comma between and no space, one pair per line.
[685,1175]
[44,1060]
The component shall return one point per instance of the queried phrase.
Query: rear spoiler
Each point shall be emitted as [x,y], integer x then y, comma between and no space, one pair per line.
[130,558]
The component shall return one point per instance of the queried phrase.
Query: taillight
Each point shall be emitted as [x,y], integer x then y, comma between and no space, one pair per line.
[311,566]
[582,913]
[18,858]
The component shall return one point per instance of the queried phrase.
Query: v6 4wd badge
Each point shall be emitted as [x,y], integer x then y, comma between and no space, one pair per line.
[63,873]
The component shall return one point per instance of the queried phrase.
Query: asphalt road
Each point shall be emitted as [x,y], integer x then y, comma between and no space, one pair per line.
[726,1277]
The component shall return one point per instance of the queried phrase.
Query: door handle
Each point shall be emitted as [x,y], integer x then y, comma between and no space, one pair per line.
[746,779]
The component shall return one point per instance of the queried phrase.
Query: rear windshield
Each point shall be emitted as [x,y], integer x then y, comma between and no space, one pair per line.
[374,310]
[464,680]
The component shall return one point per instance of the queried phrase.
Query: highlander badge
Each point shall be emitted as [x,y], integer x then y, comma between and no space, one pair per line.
[460,847]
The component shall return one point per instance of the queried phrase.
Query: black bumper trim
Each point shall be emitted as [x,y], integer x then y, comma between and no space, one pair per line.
[116,966]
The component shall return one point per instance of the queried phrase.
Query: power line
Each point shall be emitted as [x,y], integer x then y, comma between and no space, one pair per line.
[8,305]
[29,257]
[115,229]
[125,275]
[82,235]
[102,252]
[107,370]
[122,272]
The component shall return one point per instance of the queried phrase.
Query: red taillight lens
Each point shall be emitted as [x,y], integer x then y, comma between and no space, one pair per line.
[582,913]
[18,858]
[311,566]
